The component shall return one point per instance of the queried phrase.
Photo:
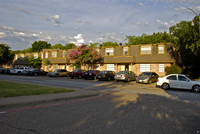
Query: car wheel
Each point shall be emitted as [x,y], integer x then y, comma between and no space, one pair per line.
[196,88]
[94,78]
[19,73]
[165,86]
[128,80]
[108,78]
[35,74]
[79,77]
[72,77]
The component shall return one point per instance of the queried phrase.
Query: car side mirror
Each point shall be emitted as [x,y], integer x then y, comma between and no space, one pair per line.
[187,80]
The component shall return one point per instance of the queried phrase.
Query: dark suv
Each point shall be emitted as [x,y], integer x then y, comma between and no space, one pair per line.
[106,75]
[77,74]
[91,74]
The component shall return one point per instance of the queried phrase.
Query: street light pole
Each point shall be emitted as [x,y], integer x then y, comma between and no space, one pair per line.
[197,15]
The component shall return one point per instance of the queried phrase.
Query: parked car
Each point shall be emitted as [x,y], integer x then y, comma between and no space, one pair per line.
[77,74]
[36,72]
[91,74]
[24,72]
[18,70]
[105,75]
[125,76]
[7,70]
[179,81]
[147,77]
[58,73]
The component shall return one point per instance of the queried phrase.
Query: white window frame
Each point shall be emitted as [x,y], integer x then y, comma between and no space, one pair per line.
[161,49]
[46,54]
[63,53]
[145,67]
[35,55]
[145,50]
[125,50]
[161,68]
[54,54]
[109,52]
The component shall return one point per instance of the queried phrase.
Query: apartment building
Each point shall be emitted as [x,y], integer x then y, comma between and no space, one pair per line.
[136,58]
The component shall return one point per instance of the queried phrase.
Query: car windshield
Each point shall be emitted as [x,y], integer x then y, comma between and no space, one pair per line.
[123,72]
[103,72]
[91,71]
[56,71]
[145,74]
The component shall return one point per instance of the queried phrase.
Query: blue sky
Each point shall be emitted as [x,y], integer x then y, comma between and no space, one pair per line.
[82,21]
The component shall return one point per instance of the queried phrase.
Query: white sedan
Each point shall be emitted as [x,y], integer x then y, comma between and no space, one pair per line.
[178,81]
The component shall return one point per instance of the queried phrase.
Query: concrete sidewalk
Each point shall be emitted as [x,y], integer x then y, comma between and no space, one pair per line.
[36,99]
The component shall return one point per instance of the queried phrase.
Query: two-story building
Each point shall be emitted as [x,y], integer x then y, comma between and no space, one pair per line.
[136,58]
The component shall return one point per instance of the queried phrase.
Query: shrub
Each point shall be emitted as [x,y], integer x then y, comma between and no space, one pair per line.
[173,70]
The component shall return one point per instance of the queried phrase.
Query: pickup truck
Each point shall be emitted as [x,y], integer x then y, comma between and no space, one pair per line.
[18,70]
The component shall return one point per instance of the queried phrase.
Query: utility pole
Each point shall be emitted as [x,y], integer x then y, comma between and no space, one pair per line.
[197,15]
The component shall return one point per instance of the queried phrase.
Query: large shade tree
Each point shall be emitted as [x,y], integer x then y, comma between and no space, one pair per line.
[149,39]
[187,42]
[38,46]
[6,54]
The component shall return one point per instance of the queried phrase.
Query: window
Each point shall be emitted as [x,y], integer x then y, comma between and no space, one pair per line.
[109,52]
[144,67]
[182,78]
[172,77]
[161,49]
[146,49]
[46,54]
[42,56]
[22,56]
[125,50]
[63,54]
[54,54]
[35,55]
[110,67]
[161,67]
[97,50]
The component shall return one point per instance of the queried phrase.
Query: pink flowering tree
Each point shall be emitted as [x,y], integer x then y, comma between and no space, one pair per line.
[85,55]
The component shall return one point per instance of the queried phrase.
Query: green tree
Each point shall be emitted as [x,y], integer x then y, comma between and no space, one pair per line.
[109,44]
[93,44]
[38,46]
[149,39]
[35,63]
[70,46]
[58,46]
[6,55]
[187,42]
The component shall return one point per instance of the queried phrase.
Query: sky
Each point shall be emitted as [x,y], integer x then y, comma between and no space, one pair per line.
[83,21]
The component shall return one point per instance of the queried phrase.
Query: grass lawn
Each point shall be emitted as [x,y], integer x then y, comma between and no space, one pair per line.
[11,89]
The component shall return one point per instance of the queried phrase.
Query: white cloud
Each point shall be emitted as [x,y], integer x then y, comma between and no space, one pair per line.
[77,40]
[163,25]
[2,35]
[141,4]
[113,37]
[54,19]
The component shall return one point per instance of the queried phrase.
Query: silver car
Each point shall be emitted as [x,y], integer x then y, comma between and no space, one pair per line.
[125,76]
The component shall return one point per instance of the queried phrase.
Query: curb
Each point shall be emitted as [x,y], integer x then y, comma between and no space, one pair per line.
[38,99]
